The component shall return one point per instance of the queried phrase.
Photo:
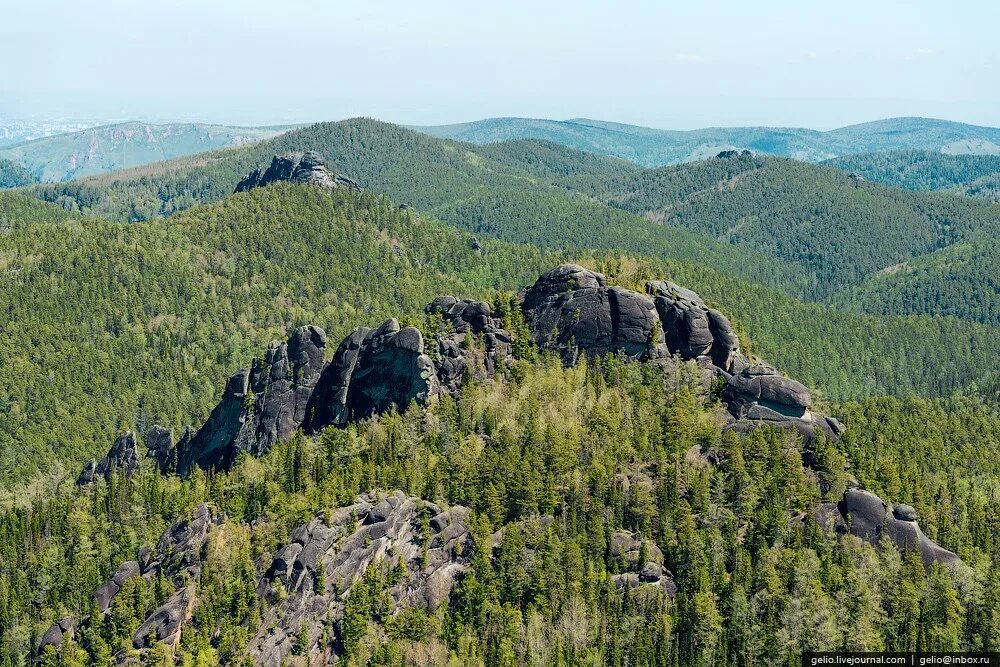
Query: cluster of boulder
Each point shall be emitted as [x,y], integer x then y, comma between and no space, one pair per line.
[123,457]
[643,562]
[426,547]
[308,168]
[572,310]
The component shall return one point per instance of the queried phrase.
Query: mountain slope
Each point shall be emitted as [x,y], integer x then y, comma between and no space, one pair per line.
[105,315]
[837,228]
[961,281]
[652,148]
[13,175]
[519,187]
[921,170]
[112,147]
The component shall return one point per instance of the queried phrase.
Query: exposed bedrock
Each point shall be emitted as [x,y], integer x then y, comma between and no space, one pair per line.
[123,457]
[569,310]
[309,168]
[865,515]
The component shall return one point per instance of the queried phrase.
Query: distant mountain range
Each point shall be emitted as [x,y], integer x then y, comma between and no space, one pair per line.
[99,150]
[651,147]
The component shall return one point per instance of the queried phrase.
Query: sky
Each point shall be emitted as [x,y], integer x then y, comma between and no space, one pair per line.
[677,65]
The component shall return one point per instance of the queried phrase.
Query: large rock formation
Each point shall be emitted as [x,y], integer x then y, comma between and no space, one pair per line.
[865,515]
[262,405]
[308,168]
[571,310]
[643,563]
[123,457]
[568,310]
[372,371]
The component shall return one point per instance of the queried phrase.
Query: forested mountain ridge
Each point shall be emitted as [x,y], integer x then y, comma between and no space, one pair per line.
[598,507]
[173,304]
[106,148]
[654,148]
[837,228]
[923,170]
[13,175]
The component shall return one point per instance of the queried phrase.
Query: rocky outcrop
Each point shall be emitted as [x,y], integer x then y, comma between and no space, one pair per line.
[308,168]
[161,448]
[261,405]
[373,371]
[643,561]
[729,154]
[472,342]
[427,545]
[572,310]
[123,457]
[569,310]
[865,515]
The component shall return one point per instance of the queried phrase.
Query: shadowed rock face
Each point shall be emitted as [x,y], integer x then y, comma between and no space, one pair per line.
[262,405]
[571,310]
[372,371]
[123,457]
[161,448]
[865,515]
[57,632]
[308,168]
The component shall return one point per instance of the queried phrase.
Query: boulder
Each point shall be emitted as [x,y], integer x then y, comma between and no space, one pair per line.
[56,633]
[123,457]
[866,516]
[571,310]
[164,624]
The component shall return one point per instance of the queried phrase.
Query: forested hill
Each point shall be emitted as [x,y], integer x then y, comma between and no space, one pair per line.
[108,148]
[810,231]
[13,174]
[925,170]
[837,228]
[115,324]
[653,148]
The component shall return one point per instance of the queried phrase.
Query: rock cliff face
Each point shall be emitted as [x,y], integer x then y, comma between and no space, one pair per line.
[123,457]
[261,405]
[308,168]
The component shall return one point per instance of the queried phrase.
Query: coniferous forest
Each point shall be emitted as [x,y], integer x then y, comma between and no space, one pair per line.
[555,505]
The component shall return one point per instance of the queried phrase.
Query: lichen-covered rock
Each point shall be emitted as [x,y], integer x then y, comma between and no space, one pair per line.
[571,310]
[123,457]
[469,324]
[643,561]
[373,371]
[309,168]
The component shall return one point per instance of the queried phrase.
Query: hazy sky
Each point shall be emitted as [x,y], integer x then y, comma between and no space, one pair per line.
[664,64]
